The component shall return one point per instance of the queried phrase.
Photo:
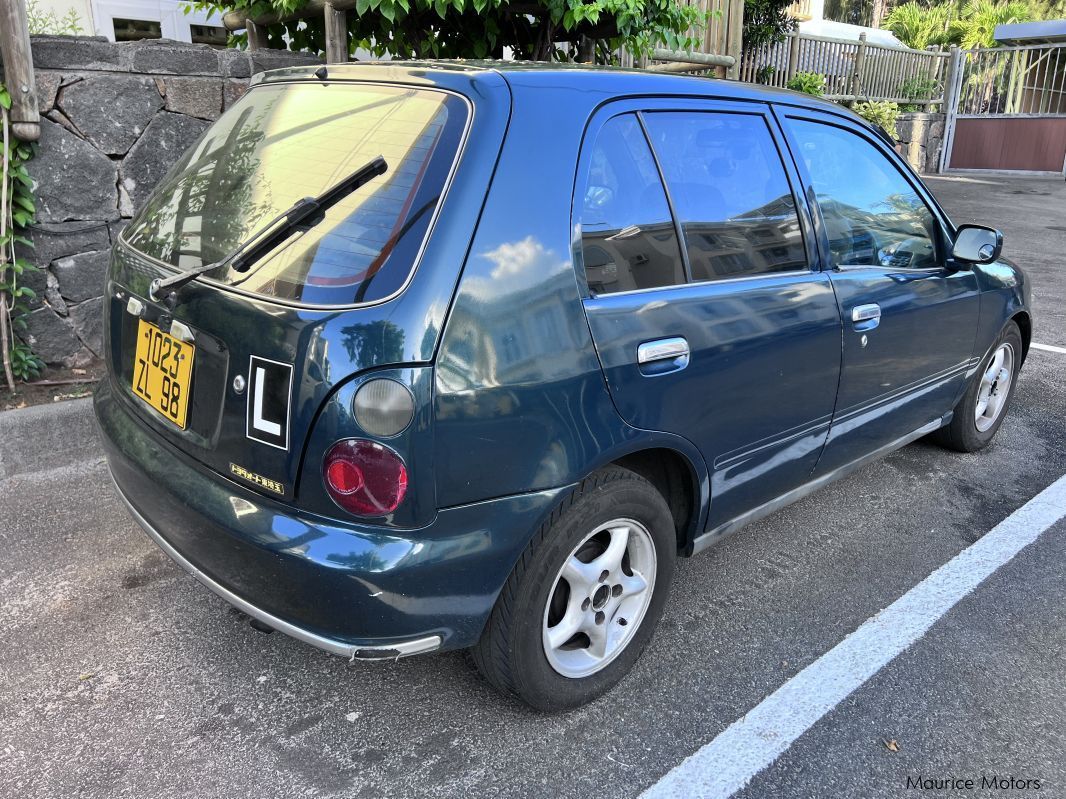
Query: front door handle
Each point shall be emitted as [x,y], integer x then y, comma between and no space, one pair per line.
[662,356]
[866,317]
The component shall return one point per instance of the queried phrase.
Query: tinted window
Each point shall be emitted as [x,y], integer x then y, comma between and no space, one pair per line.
[286,141]
[627,235]
[730,192]
[872,215]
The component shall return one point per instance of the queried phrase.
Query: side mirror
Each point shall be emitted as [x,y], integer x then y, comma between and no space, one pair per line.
[977,244]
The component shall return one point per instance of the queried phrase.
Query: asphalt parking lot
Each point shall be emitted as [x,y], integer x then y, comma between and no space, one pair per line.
[121,676]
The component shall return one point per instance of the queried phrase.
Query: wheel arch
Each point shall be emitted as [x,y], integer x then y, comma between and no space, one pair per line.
[676,478]
[1025,324]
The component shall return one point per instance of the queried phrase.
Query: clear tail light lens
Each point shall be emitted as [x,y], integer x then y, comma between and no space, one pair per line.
[364,477]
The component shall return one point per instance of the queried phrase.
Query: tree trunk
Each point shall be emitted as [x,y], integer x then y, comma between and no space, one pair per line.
[877,13]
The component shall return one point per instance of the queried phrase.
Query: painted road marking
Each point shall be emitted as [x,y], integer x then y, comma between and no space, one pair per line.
[728,763]
[1049,348]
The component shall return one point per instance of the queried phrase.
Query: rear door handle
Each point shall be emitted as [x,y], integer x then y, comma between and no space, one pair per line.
[866,317]
[662,356]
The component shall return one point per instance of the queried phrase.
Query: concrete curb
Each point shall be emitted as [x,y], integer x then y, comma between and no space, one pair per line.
[47,437]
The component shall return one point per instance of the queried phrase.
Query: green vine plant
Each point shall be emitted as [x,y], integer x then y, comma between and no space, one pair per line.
[17,212]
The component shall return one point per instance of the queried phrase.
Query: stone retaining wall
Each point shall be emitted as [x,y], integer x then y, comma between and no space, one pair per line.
[921,137]
[115,117]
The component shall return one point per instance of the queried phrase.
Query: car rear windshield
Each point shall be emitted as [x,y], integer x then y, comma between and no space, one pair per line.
[283,142]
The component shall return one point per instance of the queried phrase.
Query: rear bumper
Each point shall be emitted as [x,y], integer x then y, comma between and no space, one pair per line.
[360,592]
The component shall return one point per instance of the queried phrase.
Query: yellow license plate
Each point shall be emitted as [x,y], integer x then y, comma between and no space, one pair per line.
[162,372]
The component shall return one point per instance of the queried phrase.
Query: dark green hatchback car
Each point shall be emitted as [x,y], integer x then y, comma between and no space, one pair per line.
[418,356]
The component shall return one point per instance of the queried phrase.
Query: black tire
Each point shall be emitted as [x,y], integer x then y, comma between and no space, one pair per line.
[511,653]
[962,434]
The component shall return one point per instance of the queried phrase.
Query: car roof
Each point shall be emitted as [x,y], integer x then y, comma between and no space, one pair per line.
[521,74]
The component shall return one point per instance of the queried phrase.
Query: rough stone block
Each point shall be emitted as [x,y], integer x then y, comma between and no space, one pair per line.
[47,86]
[164,56]
[234,63]
[161,144]
[75,52]
[115,229]
[51,241]
[195,97]
[87,319]
[75,181]
[37,280]
[111,111]
[53,340]
[81,277]
[46,287]
[233,91]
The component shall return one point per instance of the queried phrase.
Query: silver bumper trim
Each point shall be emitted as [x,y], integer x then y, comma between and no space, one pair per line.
[351,651]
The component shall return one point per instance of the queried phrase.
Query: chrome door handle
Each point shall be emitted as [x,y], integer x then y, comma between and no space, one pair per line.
[662,349]
[864,313]
[662,356]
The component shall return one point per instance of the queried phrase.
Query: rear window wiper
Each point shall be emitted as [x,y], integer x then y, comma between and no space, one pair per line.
[303,215]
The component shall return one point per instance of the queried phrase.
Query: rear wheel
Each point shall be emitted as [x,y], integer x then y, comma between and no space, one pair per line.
[583,601]
[983,407]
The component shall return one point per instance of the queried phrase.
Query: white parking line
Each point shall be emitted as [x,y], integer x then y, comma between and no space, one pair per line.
[750,744]
[1048,348]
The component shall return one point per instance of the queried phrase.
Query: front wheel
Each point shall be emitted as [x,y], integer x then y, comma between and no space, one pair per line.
[983,407]
[583,601]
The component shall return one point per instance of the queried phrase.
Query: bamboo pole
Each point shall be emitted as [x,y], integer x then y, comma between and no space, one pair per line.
[257,38]
[18,70]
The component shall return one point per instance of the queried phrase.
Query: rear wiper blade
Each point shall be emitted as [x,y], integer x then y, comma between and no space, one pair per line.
[303,215]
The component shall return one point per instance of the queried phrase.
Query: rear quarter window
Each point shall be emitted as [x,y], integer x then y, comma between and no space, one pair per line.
[286,141]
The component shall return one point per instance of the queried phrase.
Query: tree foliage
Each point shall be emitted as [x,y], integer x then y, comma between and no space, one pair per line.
[533,29]
[766,22]
[969,25]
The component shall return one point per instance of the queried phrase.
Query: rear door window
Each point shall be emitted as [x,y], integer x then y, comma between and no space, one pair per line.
[286,141]
[628,239]
[730,193]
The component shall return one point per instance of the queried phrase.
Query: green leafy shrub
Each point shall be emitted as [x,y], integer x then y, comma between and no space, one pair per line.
[765,74]
[882,114]
[808,83]
[19,211]
[918,88]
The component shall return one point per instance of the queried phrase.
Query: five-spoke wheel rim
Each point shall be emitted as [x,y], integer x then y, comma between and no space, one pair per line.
[994,390]
[599,598]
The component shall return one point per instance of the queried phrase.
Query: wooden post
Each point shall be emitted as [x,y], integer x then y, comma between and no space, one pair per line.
[336,35]
[18,70]
[930,73]
[734,36]
[949,79]
[856,72]
[257,38]
[793,56]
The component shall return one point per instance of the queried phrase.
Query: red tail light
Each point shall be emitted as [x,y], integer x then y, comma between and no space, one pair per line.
[364,477]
